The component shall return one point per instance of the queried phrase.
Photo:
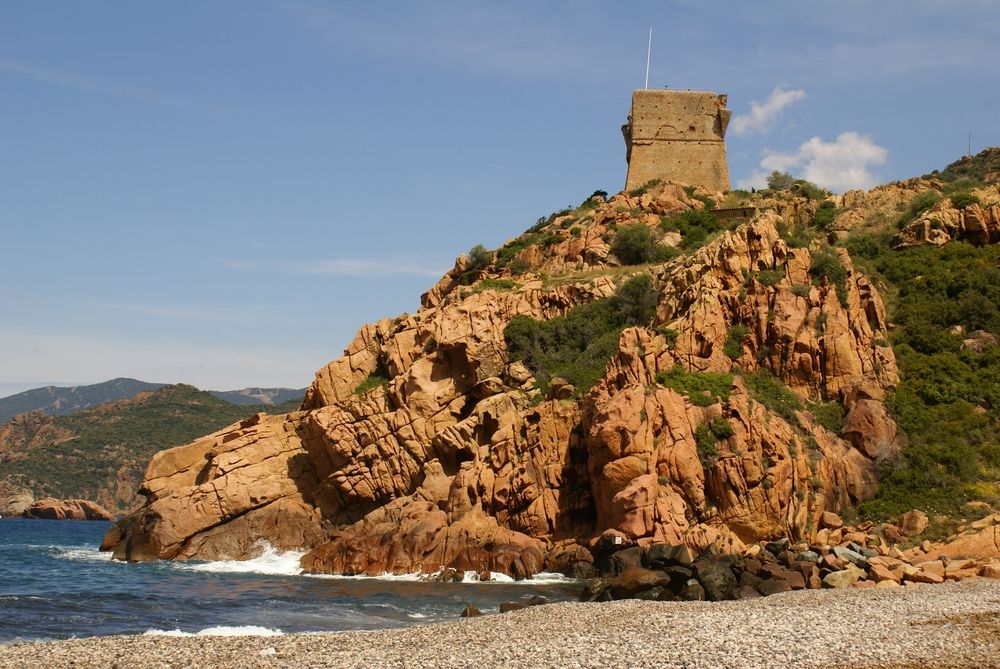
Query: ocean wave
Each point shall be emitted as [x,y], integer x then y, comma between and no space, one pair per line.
[468,577]
[87,554]
[269,561]
[222,630]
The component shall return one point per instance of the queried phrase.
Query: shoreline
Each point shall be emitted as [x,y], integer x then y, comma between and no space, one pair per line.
[954,625]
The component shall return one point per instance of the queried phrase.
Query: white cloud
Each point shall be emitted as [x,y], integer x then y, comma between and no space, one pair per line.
[763,115]
[221,314]
[81,358]
[839,165]
[363,267]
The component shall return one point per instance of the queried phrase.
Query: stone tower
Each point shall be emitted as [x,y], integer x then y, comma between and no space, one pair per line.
[677,136]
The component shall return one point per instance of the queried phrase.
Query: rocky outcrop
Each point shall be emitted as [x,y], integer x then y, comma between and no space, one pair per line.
[425,448]
[66,509]
[975,223]
[220,495]
[14,500]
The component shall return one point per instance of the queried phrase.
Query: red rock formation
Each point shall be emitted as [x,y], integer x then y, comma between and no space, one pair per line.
[67,509]
[455,463]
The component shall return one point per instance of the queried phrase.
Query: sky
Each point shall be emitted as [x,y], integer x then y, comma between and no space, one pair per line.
[222,192]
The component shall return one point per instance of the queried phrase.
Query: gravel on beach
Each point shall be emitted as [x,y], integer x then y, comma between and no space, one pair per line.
[954,625]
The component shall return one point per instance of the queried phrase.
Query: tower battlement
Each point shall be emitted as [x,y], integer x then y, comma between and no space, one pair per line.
[677,136]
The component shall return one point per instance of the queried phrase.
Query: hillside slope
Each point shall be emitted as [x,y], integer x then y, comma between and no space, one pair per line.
[632,370]
[61,401]
[101,453]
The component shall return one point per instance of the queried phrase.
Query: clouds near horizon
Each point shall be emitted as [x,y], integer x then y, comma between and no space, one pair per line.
[840,165]
[764,115]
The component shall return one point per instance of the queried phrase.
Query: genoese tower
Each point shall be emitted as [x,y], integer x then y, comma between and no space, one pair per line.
[677,136]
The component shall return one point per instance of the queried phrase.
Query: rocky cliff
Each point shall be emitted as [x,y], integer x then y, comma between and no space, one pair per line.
[427,445]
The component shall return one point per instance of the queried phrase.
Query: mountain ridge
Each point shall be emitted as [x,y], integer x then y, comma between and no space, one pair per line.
[99,453]
[65,400]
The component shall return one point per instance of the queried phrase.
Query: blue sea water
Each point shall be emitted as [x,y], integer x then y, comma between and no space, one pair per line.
[55,584]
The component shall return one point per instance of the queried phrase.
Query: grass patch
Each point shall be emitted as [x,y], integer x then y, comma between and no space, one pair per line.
[773,394]
[373,380]
[707,435]
[578,345]
[734,341]
[827,264]
[701,388]
[494,284]
[830,415]
[695,225]
[635,245]
[947,403]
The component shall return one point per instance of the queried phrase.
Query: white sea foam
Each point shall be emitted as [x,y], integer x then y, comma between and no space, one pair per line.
[269,561]
[84,554]
[222,630]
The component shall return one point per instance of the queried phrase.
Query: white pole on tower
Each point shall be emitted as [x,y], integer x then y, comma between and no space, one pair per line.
[649,50]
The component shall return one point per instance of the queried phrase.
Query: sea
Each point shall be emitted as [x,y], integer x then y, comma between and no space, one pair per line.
[56,584]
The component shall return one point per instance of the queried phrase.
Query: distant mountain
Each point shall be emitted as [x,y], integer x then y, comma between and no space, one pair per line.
[57,401]
[265,396]
[100,453]
[63,401]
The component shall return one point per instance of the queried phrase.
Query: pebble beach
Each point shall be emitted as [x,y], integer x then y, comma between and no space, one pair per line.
[954,626]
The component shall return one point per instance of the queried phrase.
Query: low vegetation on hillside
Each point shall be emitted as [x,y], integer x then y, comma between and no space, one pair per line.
[945,303]
[114,442]
[578,346]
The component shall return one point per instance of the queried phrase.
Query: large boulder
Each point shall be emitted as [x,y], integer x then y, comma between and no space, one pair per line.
[67,509]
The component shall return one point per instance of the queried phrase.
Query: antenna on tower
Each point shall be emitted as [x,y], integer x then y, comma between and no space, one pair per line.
[970,142]
[649,50]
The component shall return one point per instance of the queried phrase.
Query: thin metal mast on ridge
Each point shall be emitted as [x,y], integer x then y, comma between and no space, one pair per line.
[649,50]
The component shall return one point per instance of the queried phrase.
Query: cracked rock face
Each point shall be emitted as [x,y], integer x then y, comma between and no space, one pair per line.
[451,460]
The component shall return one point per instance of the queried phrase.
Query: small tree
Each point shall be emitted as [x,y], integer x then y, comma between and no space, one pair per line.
[634,244]
[778,180]
[479,257]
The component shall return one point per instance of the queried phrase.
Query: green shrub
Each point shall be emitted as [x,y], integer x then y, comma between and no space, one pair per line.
[810,190]
[635,300]
[705,443]
[778,180]
[510,250]
[963,200]
[494,284]
[734,339]
[575,231]
[919,204]
[669,334]
[635,244]
[721,428]
[578,345]
[519,266]
[952,452]
[695,226]
[374,380]
[771,277]
[641,190]
[826,263]
[825,213]
[708,434]
[701,388]
[800,290]
[773,394]
[479,257]
[830,415]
